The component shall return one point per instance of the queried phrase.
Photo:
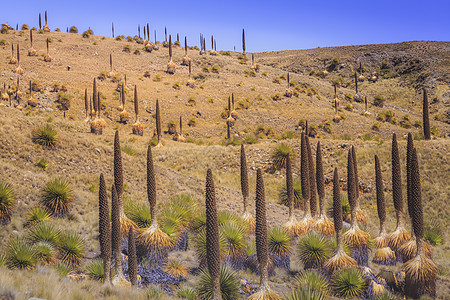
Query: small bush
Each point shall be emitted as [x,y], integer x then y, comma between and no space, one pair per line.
[376,126]
[280,154]
[378,101]
[20,255]
[72,248]
[95,270]
[348,283]
[157,78]
[73,29]
[7,202]
[57,196]
[45,136]
[250,139]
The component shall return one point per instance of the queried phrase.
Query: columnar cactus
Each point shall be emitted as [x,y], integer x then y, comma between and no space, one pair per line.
[104,228]
[212,237]
[426,117]
[262,252]
[340,260]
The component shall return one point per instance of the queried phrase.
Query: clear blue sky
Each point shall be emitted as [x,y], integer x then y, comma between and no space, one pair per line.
[269,25]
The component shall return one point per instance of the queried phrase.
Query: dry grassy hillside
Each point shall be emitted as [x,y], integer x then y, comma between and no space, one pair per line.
[181,167]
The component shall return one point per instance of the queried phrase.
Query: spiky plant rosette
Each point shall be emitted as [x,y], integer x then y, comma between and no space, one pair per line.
[44,232]
[175,268]
[280,154]
[45,136]
[36,215]
[57,197]
[283,196]
[7,202]
[280,247]
[186,292]
[303,293]
[348,283]
[314,250]
[20,255]
[228,282]
[72,248]
[235,243]
[95,270]
[312,279]
[139,213]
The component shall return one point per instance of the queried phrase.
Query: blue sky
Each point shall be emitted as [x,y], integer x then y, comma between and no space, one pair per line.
[269,25]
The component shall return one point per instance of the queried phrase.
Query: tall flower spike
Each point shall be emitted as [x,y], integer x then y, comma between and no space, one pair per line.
[420,271]
[304,175]
[312,180]
[323,224]
[136,104]
[104,228]
[426,117]
[244,178]
[264,290]
[243,41]
[158,123]
[212,237]
[118,175]
[292,225]
[86,103]
[400,235]
[360,215]
[119,279]
[340,260]
[132,259]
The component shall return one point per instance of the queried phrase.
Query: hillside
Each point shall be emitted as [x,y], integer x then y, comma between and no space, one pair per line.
[263,122]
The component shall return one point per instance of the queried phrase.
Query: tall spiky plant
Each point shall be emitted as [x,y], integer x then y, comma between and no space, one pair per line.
[116,239]
[125,223]
[186,60]
[247,216]
[86,104]
[292,225]
[340,260]
[31,51]
[383,255]
[212,237]
[104,229]
[400,235]
[264,291]
[408,250]
[420,271]
[137,128]
[94,96]
[179,135]
[170,65]
[47,57]
[323,224]
[132,259]
[361,216]
[158,124]
[356,238]
[243,40]
[312,180]
[426,117]
[19,69]
[306,221]
[46,28]
[40,21]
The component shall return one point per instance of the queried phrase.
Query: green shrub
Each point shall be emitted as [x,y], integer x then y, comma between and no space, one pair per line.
[42,163]
[45,136]
[95,270]
[186,292]
[229,284]
[57,196]
[250,139]
[20,255]
[7,202]
[73,29]
[378,101]
[72,248]
[280,154]
[348,283]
